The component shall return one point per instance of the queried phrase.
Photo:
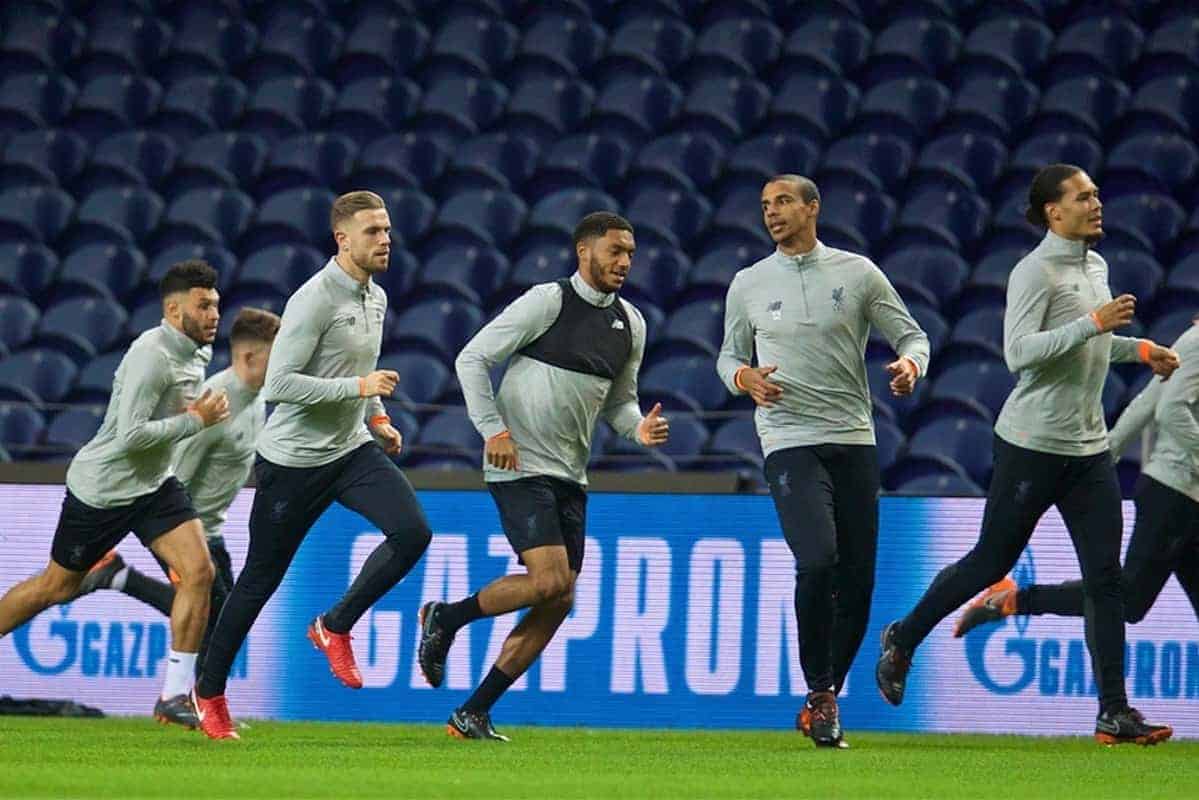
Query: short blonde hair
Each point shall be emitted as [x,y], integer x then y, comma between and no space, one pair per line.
[350,203]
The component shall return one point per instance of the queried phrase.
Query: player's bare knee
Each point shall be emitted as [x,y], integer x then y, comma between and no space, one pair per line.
[196,573]
[58,586]
[552,584]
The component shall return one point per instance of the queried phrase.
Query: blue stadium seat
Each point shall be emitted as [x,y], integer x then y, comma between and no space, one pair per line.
[33,43]
[149,315]
[294,215]
[397,280]
[829,46]
[1169,327]
[646,46]
[220,160]
[283,107]
[37,375]
[471,45]
[373,107]
[737,437]
[962,161]
[715,270]
[540,265]
[311,159]
[266,300]
[1087,105]
[935,275]
[1159,163]
[977,333]
[95,379]
[294,47]
[687,161]
[33,101]
[879,380]
[223,261]
[117,215]
[1182,283]
[412,214]
[912,47]
[682,383]
[1114,391]
[18,322]
[206,216]
[953,219]
[36,213]
[1148,221]
[560,212]
[815,107]
[965,442]
[1134,272]
[693,329]
[740,213]
[636,109]
[1109,44]
[401,160]
[50,157]
[129,158]
[999,107]
[208,44]
[688,435]
[889,443]
[455,109]
[657,275]
[941,486]
[560,46]
[930,321]
[770,154]
[26,268]
[488,217]
[82,327]
[195,106]
[469,273]
[381,47]
[911,106]
[117,45]
[1007,46]
[858,217]
[112,103]
[1172,49]
[492,161]
[100,270]
[72,429]
[586,159]
[969,387]
[21,428]
[749,46]
[1052,148]
[545,109]
[878,159]
[280,268]
[423,378]
[677,217]
[438,326]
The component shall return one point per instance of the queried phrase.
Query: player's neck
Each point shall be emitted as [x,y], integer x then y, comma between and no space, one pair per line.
[350,268]
[799,244]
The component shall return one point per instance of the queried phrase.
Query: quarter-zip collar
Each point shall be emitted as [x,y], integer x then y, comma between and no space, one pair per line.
[179,343]
[593,296]
[340,277]
[1054,245]
[803,259]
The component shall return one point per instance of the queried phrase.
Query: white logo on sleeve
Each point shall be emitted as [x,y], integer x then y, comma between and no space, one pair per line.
[618,325]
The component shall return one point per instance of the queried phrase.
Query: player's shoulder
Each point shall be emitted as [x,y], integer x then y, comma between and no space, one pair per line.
[633,312]
[753,273]
[1188,342]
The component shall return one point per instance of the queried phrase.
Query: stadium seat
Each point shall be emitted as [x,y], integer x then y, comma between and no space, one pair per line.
[100,270]
[636,109]
[912,47]
[18,322]
[119,45]
[503,161]
[1150,221]
[815,107]
[1007,46]
[1051,148]
[206,216]
[452,110]
[999,107]
[677,217]
[219,160]
[1134,272]
[953,219]
[148,315]
[656,276]
[34,213]
[36,376]
[879,380]
[311,159]
[294,215]
[471,45]
[559,46]
[441,327]
[586,159]
[208,44]
[967,388]
[423,378]
[539,265]
[1167,328]
[1087,105]
[694,329]
[294,47]
[280,268]
[878,159]
[686,161]
[129,158]
[382,47]
[30,102]
[373,107]
[715,270]
[400,160]
[470,273]
[50,157]
[21,428]
[750,46]
[829,46]
[688,435]
[1156,163]
[644,47]
[740,213]
[561,211]
[737,437]
[1172,49]
[1108,44]
[82,327]
[860,218]
[26,268]
[889,444]
[965,442]
[195,106]
[935,275]
[770,154]
[910,106]
[284,107]
[488,217]
[682,383]
[117,215]
[962,161]
[223,261]
[113,103]
[71,429]
[1182,284]
[33,43]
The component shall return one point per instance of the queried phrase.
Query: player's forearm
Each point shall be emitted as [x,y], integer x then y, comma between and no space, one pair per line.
[150,433]
[307,390]
[1136,415]
[1024,350]
[625,418]
[474,377]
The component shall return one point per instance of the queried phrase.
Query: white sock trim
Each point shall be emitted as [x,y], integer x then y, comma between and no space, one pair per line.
[118,580]
[181,672]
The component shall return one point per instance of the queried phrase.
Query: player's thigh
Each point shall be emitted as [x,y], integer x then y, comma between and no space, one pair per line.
[1091,509]
[1154,546]
[1024,484]
[372,485]
[802,490]
[571,500]
[287,502]
[185,552]
[529,515]
[855,496]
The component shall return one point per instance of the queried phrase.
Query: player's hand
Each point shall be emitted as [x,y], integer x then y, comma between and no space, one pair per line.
[380,383]
[391,438]
[1115,314]
[654,428]
[210,408]
[757,384]
[903,373]
[501,452]
[1163,361]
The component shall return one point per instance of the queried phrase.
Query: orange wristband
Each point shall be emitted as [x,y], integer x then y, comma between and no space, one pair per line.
[1095,319]
[737,378]
[1143,350]
[362,387]
[500,435]
[380,419]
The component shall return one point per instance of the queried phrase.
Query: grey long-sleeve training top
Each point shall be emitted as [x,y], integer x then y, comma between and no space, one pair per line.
[811,315]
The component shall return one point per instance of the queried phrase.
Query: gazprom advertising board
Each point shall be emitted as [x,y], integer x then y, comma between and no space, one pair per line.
[683,618]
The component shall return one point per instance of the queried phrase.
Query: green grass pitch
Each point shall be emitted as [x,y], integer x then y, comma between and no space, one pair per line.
[135,758]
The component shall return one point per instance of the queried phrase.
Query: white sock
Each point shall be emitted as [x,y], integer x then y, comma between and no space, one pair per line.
[181,671]
[118,580]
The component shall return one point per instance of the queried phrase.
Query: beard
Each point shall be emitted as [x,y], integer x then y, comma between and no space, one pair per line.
[194,330]
[596,271]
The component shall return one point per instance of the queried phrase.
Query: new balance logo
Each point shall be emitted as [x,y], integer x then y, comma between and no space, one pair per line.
[617,325]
